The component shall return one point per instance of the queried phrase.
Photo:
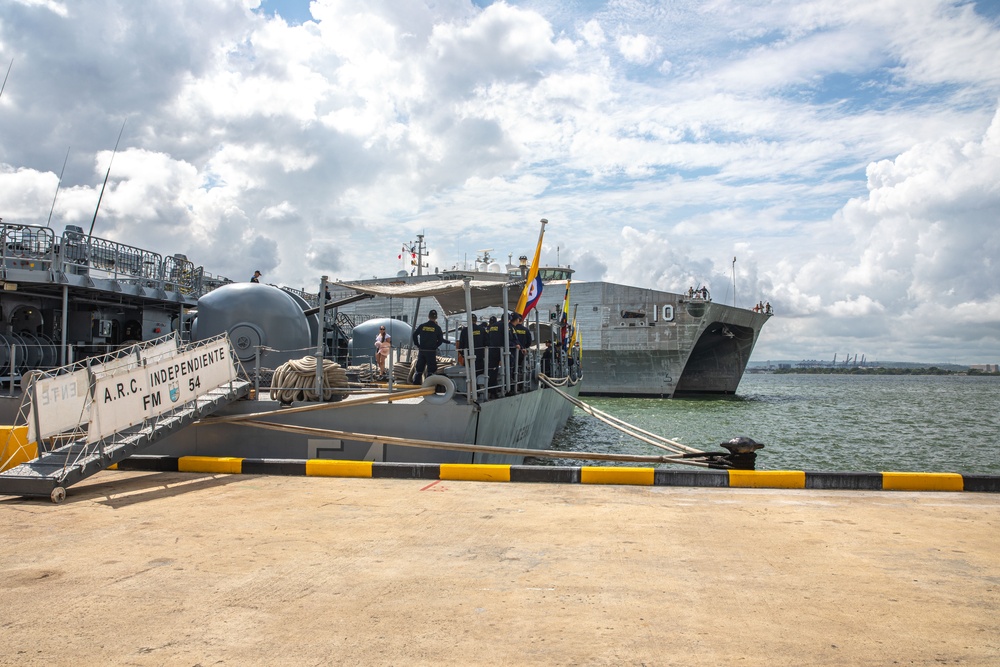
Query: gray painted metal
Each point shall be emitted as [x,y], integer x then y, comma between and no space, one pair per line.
[255,315]
[529,420]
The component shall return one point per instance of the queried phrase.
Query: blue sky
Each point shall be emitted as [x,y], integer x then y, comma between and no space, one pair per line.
[846,152]
[294,12]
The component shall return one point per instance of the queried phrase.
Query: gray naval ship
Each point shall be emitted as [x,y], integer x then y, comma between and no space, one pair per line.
[633,341]
[84,318]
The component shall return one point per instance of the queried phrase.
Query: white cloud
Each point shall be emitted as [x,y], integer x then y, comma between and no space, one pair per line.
[57,8]
[843,151]
[639,49]
[592,33]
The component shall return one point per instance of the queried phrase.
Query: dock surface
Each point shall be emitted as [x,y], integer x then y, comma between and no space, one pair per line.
[145,568]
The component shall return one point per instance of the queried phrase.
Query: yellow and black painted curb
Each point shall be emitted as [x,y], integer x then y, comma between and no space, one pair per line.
[753,479]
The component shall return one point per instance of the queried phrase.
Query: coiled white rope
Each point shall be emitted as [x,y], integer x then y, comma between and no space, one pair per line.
[295,380]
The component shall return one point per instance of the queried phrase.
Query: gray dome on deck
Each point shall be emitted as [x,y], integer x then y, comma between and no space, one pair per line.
[254,315]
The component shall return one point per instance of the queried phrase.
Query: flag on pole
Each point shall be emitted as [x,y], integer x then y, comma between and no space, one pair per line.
[532,291]
[564,320]
[576,340]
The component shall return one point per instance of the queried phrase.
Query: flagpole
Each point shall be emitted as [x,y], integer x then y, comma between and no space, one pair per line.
[523,301]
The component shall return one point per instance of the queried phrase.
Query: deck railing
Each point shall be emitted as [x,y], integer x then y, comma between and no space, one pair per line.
[35,248]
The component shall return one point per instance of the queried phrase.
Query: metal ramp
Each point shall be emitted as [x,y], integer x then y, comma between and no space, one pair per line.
[54,470]
[102,433]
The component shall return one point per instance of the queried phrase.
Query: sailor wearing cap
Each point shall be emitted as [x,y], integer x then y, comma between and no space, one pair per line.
[427,337]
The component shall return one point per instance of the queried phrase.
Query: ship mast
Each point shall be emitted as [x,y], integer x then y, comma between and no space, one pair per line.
[421,252]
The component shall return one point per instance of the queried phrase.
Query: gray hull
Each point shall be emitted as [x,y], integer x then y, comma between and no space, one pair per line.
[641,342]
[524,421]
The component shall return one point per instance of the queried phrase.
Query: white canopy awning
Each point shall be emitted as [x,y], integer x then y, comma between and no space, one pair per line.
[450,294]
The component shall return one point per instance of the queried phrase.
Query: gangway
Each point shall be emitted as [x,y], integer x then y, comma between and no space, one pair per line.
[90,415]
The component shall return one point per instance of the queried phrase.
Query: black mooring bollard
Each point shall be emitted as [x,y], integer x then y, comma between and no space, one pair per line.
[742,452]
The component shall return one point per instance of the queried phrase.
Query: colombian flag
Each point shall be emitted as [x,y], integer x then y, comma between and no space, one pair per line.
[533,288]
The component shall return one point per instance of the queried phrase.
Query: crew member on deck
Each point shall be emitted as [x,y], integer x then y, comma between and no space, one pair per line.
[255,278]
[520,343]
[478,345]
[494,343]
[428,338]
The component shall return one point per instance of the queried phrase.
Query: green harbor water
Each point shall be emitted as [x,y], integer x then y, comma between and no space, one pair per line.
[818,422]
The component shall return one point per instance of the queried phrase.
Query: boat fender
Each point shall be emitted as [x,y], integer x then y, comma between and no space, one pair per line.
[445,384]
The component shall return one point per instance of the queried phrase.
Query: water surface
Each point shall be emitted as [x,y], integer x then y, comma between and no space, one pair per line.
[819,422]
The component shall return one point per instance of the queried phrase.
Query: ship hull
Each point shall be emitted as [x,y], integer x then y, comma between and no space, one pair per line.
[649,343]
[523,421]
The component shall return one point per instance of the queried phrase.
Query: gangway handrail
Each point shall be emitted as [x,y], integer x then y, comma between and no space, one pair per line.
[70,450]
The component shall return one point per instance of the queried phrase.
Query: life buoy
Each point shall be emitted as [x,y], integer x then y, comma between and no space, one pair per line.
[444,383]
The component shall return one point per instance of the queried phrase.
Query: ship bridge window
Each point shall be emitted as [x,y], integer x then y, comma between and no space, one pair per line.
[554,273]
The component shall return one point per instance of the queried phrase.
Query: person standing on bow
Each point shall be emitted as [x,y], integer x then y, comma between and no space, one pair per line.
[428,338]
[255,278]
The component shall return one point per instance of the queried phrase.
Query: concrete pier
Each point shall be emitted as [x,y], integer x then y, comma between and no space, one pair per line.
[169,568]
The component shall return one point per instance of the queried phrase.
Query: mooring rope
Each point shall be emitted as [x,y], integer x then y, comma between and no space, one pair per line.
[462,447]
[624,427]
[682,454]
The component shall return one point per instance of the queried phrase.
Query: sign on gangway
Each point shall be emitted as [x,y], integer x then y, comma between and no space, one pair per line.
[127,393]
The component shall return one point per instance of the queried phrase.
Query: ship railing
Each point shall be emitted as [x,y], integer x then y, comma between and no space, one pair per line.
[27,247]
[179,275]
[308,297]
[95,256]
[210,282]
[36,248]
[516,373]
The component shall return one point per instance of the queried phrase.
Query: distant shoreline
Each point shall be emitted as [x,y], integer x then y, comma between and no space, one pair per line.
[855,370]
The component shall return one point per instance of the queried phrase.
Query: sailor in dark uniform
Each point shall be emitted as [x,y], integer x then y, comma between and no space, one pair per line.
[428,338]
[494,345]
[478,344]
[520,343]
